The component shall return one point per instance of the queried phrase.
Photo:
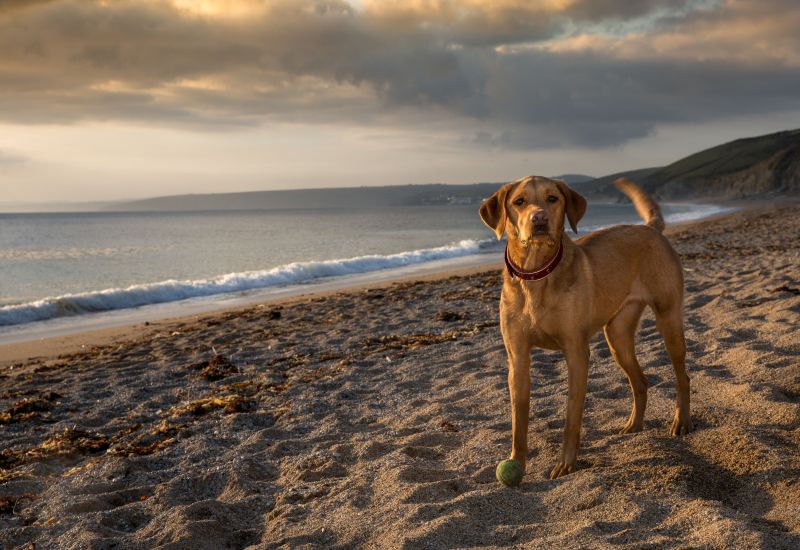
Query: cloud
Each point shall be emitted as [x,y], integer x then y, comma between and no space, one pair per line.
[587,99]
[735,31]
[9,160]
[9,5]
[504,73]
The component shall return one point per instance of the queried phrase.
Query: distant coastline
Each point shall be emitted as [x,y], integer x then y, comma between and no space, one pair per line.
[762,166]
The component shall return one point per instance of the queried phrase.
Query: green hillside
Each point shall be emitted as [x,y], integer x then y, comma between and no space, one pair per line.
[729,158]
[603,188]
[745,167]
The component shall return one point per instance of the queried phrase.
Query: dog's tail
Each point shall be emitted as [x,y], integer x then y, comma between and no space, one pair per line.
[647,208]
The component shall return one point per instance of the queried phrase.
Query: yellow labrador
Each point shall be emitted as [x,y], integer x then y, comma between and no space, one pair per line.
[558,293]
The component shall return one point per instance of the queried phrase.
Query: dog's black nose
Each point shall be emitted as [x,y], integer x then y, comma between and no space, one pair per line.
[540,217]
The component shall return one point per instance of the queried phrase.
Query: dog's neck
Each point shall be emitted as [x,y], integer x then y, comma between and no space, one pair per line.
[534,256]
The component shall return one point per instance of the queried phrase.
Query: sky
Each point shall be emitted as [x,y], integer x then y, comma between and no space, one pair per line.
[123,99]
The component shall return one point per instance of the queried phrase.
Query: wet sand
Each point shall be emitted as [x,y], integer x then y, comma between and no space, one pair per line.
[375,418]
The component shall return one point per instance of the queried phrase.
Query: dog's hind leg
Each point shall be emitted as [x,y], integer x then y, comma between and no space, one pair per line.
[620,333]
[670,323]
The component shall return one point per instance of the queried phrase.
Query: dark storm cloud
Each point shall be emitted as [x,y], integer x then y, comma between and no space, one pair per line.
[590,100]
[393,63]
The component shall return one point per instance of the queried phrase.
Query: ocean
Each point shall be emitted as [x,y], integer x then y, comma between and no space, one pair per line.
[73,265]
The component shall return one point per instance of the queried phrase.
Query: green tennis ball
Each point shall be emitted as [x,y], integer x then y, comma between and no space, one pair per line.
[509,473]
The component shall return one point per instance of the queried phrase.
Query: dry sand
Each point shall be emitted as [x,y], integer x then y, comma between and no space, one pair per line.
[375,419]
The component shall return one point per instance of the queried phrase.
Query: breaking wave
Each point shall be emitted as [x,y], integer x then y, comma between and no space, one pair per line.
[173,290]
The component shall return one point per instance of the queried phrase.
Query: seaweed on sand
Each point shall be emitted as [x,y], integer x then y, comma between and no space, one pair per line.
[215,368]
[67,442]
[229,403]
[28,408]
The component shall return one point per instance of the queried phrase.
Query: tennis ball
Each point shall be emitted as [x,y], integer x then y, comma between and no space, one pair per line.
[509,473]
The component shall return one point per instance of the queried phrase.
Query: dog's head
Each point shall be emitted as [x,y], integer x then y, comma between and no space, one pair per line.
[532,210]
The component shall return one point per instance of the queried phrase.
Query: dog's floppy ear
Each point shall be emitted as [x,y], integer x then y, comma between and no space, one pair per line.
[493,211]
[576,205]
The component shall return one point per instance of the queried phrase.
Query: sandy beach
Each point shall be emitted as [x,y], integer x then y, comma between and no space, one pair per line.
[375,418]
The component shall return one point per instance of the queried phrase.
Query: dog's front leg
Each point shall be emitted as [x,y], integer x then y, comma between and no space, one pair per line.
[577,357]
[519,386]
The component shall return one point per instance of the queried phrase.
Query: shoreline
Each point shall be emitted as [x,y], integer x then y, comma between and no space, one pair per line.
[58,315]
[15,339]
[52,338]
[51,346]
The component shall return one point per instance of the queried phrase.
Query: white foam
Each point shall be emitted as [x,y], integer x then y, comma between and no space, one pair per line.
[172,290]
[692,212]
[697,212]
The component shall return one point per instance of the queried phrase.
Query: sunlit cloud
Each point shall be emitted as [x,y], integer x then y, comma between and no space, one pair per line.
[500,77]
[523,72]
[222,9]
[738,32]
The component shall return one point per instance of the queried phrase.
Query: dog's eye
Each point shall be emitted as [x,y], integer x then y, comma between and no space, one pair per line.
[519,201]
[552,198]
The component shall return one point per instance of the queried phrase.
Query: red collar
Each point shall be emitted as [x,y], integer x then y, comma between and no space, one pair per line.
[540,273]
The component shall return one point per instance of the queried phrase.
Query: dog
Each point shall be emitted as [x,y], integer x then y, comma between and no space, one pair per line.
[557,294]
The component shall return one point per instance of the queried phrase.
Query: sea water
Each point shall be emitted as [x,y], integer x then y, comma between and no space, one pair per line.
[61,265]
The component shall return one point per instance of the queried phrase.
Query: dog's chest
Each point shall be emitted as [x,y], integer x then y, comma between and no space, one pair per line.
[541,339]
[533,318]
[539,331]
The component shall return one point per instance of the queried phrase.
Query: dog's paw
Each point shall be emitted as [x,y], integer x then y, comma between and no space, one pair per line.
[631,427]
[562,469]
[681,425]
